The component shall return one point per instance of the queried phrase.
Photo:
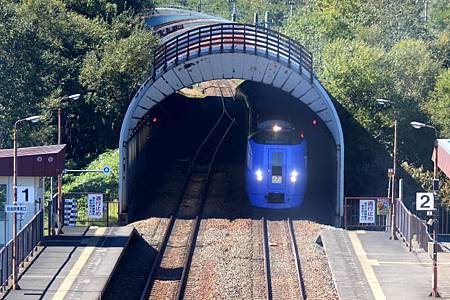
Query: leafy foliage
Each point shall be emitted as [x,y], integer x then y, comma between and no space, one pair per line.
[97,182]
[439,104]
[363,49]
[48,50]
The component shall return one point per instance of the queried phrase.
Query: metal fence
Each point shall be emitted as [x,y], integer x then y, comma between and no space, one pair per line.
[109,214]
[354,220]
[443,211]
[413,230]
[27,240]
[232,37]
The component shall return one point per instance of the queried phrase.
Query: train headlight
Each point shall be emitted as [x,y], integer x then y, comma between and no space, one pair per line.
[294,175]
[259,175]
[276,128]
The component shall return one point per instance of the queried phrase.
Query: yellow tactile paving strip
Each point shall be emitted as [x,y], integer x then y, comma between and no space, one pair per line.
[366,265]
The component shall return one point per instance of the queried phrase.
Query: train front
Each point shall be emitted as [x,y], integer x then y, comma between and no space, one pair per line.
[276,166]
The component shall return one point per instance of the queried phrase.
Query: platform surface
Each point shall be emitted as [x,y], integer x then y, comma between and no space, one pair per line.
[76,265]
[368,265]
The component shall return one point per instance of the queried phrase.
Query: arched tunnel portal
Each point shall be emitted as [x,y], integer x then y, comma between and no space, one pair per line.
[220,51]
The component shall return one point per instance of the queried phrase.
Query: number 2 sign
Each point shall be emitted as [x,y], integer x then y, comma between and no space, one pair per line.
[424,201]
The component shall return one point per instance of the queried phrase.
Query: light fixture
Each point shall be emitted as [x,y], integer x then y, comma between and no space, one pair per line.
[417,125]
[382,101]
[276,128]
[74,96]
[33,119]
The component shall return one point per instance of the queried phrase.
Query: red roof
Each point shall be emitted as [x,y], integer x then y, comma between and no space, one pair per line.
[444,156]
[34,161]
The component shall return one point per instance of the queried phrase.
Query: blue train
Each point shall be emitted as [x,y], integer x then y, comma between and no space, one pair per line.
[276,166]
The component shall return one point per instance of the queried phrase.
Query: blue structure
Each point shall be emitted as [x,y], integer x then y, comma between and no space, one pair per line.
[276,166]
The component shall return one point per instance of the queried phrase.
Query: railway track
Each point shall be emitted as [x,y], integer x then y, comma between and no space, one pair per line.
[282,266]
[168,276]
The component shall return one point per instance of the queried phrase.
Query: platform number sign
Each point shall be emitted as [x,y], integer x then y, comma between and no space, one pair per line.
[25,194]
[424,201]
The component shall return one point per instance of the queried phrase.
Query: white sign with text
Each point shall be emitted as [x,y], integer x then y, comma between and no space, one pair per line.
[95,206]
[367,211]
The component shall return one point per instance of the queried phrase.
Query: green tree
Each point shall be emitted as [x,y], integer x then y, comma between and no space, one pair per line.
[105,9]
[44,49]
[97,182]
[114,73]
[439,104]
[440,15]
[316,28]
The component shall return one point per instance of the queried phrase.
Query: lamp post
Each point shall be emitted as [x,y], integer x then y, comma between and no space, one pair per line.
[394,167]
[32,119]
[60,212]
[417,125]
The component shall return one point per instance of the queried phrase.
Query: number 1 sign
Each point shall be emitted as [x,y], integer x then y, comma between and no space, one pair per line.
[424,201]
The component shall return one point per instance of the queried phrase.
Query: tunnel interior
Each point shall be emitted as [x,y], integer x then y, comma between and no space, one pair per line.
[172,130]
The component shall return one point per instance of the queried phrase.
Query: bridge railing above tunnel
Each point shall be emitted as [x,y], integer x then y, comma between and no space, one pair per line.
[230,38]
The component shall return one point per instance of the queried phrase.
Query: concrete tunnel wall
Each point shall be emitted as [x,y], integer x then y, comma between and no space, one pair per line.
[244,66]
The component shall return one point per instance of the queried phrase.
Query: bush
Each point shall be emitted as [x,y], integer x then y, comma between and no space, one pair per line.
[97,182]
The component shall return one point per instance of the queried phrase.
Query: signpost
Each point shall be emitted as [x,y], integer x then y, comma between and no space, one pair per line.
[106,170]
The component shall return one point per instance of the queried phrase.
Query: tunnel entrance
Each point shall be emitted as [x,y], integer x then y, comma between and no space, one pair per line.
[276,64]
[175,128]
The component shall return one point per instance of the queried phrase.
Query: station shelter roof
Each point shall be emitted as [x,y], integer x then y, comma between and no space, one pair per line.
[444,156]
[39,161]
[163,16]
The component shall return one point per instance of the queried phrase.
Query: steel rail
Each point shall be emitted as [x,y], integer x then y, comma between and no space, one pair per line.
[266,256]
[194,232]
[301,283]
[162,248]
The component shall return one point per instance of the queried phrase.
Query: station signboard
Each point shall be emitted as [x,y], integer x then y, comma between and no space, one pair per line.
[95,206]
[367,211]
[11,208]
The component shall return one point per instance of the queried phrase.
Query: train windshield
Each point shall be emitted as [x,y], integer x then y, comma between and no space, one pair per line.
[282,137]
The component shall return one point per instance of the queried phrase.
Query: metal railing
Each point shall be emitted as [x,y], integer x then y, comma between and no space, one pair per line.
[27,240]
[378,221]
[412,229]
[110,210]
[443,217]
[232,38]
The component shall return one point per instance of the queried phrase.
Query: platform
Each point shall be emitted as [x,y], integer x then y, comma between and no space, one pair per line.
[75,265]
[368,265]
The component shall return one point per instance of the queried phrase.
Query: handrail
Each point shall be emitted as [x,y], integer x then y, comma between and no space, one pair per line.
[27,240]
[411,227]
[230,38]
